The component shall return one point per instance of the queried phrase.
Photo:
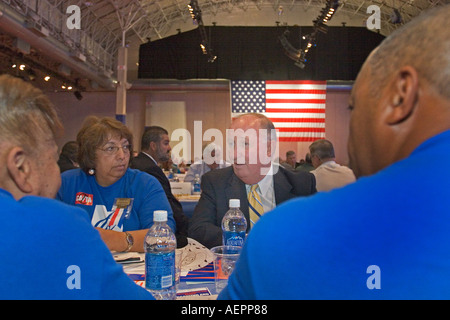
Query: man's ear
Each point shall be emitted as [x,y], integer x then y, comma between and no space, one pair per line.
[152,146]
[19,168]
[404,95]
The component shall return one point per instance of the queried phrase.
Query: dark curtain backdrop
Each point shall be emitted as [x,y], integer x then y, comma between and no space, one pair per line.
[255,53]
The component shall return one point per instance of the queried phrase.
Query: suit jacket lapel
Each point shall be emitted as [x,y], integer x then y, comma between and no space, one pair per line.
[282,188]
[152,164]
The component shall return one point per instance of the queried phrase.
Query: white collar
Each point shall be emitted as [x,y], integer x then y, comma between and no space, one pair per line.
[329,163]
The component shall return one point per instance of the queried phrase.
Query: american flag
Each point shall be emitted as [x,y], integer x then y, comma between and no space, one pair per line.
[296,108]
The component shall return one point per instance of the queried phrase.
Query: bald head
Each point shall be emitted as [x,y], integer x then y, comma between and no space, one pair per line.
[253,140]
[400,97]
[424,44]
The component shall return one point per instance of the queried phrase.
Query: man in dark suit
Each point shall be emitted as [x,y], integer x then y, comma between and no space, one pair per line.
[275,184]
[156,148]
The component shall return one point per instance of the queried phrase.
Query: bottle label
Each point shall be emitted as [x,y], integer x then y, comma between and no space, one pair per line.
[233,238]
[197,188]
[159,270]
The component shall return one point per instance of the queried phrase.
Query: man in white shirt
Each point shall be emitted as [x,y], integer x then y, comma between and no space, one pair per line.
[328,173]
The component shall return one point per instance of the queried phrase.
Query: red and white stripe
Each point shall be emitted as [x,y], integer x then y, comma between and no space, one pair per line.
[297,109]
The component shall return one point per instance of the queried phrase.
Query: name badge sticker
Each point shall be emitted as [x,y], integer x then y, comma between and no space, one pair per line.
[123,203]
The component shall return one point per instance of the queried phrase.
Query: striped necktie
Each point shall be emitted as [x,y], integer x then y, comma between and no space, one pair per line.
[254,204]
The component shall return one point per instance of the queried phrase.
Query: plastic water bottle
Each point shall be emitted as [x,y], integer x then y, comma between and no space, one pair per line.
[234,225]
[159,246]
[196,185]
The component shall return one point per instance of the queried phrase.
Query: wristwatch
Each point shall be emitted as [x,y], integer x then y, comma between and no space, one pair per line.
[130,241]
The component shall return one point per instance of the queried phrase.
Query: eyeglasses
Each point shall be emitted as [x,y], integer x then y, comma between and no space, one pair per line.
[110,150]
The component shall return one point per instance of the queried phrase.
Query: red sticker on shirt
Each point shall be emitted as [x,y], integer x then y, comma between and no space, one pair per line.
[84,198]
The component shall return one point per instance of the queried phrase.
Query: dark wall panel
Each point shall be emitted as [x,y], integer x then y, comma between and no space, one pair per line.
[255,53]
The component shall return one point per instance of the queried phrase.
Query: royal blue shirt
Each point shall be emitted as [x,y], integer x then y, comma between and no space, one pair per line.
[82,190]
[50,251]
[387,236]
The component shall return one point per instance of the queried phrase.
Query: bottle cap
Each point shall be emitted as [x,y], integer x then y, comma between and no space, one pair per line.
[160,215]
[235,203]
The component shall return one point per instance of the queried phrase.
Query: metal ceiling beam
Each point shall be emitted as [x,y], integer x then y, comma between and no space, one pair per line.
[16,29]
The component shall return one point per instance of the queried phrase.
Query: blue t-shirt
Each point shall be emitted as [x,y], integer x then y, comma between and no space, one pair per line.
[82,190]
[387,236]
[50,251]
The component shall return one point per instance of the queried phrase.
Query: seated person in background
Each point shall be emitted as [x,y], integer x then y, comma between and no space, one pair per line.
[386,236]
[212,159]
[169,165]
[68,157]
[49,249]
[120,201]
[247,179]
[291,160]
[306,165]
[155,148]
[329,175]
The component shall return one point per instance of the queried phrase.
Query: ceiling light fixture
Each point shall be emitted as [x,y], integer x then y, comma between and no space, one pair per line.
[299,55]
[196,15]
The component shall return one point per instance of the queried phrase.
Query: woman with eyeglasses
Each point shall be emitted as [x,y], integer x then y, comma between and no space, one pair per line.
[119,201]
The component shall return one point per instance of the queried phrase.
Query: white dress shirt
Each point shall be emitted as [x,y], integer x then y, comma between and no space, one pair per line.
[266,191]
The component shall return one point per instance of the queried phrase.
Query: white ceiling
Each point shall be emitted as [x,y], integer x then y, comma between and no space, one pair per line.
[157,19]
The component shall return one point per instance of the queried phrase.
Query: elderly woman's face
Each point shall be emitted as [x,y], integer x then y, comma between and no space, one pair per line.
[112,160]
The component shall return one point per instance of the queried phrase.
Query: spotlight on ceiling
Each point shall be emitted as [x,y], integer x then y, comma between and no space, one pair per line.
[194,10]
[299,55]
[196,15]
[212,58]
[326,14]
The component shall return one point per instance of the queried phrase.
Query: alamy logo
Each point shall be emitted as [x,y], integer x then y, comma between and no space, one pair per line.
[74,20]
[74,280]
[374,280]
[374,21]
